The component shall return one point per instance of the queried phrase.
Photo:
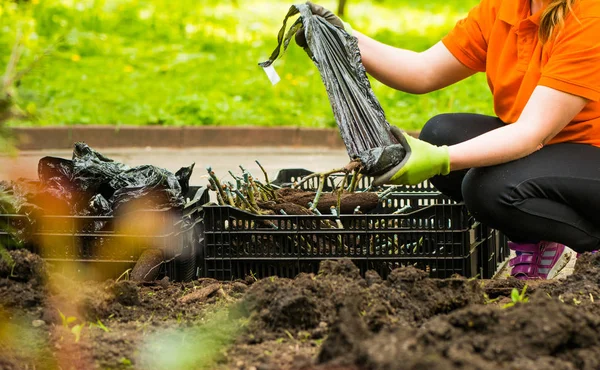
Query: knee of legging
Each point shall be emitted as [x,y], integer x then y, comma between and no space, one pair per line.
[439,129]
[485,195]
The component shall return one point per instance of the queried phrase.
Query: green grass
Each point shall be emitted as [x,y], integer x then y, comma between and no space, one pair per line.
[189,62]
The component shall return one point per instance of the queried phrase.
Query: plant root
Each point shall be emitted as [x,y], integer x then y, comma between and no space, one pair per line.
[348,201]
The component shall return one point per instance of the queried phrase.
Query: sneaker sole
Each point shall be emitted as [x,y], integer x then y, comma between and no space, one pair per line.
[562,262]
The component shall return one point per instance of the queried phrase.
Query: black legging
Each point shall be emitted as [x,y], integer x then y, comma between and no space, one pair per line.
[552,194]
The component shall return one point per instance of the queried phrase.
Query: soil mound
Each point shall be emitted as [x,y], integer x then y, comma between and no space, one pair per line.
[582,288]
[311,303]
[542,334]
[559,328]
[23,266]
[22,278]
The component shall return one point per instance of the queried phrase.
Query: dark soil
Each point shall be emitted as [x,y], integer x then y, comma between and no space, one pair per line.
[543,334]
[335,319]
[34,308]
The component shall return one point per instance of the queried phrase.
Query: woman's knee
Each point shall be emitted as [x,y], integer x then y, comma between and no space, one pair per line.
[485,193]
[438,130]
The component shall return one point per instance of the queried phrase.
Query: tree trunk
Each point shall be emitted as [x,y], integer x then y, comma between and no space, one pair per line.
[341,7]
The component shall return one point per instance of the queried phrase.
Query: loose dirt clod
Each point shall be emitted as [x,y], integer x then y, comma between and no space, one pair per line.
[21,265]
[582,288]
[126,293]
[301,304]
[238,287]
[22,280]
[201,294]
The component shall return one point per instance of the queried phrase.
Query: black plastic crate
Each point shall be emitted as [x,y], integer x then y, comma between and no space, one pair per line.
[490,257]
[106,246]
[441,239]
[435,234]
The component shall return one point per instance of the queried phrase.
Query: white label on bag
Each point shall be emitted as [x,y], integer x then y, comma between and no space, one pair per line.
[272,74]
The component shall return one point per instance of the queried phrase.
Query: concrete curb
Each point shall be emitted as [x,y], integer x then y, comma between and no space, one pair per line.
[63,137]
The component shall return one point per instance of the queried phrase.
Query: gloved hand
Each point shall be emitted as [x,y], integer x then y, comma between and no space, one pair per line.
[329,17]
[422,161]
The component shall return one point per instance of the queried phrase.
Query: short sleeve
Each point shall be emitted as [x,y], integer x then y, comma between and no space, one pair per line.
[574,60]
[467,40]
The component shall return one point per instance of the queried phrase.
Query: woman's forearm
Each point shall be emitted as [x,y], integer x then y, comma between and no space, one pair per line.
[547,112]
[502,145]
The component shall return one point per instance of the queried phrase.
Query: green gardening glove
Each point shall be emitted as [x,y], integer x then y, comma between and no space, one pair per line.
[329,17]
[422,161]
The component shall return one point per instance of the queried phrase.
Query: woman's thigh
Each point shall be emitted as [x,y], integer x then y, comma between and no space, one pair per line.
[552,194]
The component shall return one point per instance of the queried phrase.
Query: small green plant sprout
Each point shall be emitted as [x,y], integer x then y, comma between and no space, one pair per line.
[517,297]
[304,336]
[287,332]
[124,275]
[100,325]
[76,330]
[125,362]
[474,277]
[66,320]
[253,275]
[488,300]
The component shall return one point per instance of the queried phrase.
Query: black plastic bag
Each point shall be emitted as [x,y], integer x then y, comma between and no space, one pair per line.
[94,173]
[55,176]
[92,184]
[149,187]
[357,111]
[88,185]
[183,176]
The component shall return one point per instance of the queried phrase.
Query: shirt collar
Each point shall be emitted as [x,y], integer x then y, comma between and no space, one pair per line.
[514,11]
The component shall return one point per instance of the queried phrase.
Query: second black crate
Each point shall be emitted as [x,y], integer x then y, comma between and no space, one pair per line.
[106,246]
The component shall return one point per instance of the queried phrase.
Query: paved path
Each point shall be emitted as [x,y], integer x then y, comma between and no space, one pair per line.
[221,159]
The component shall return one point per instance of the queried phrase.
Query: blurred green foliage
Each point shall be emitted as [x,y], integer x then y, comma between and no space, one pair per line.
[189,62]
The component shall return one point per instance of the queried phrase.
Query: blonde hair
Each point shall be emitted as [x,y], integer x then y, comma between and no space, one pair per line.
[553,18]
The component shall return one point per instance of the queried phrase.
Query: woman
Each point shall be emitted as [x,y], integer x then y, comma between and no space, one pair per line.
[533,171]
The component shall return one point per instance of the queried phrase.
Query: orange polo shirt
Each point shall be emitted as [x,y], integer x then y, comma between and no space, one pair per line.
[500,38]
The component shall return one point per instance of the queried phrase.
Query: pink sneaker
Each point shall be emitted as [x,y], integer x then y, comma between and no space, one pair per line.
[543,260]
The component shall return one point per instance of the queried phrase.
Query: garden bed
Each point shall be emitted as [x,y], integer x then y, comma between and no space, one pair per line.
[335,319]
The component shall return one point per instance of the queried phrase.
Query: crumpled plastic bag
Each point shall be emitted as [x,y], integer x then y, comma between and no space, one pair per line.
[149,186]
[90,184]
[358,114]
